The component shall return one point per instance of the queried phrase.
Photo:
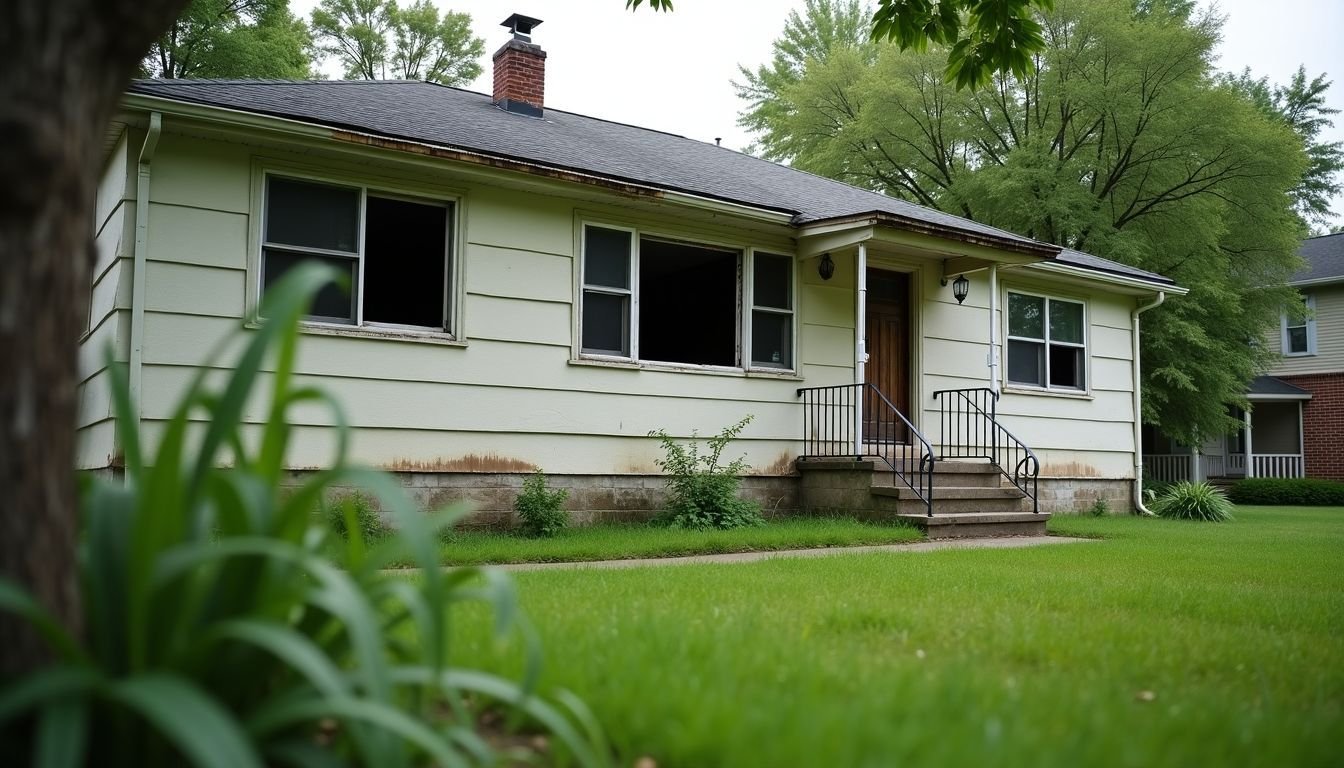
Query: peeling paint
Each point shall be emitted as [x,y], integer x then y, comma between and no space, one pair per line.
[1071,469]
[471,462]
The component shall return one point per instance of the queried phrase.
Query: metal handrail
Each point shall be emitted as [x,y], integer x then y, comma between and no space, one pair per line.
[971,430]
[833,427]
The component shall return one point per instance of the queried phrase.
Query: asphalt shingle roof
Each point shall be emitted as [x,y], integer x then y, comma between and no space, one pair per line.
[451,117]
[1268,385]
[1325,258]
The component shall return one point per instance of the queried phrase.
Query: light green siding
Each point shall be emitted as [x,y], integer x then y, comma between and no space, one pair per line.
[1329,321]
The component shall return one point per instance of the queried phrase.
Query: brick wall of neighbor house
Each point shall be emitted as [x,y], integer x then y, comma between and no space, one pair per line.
[1323,424]
[592,498]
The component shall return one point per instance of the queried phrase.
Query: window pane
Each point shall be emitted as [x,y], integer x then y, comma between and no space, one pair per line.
[1297,339]
[1066,367]
[606,323]
[405,258]
[1026,363]
[333,302]
[312,215]
[1026,316]
[688,304]
[1066,321]
[772,285]
[771,339]
[606,257]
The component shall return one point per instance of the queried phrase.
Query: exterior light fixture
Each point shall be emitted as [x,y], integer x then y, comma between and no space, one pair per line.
[960,287]
[827,267]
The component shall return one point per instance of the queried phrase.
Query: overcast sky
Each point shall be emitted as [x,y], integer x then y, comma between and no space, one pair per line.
[674,72]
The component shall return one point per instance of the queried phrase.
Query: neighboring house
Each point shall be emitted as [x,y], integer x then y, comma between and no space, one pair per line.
[1295,426]
[536,288]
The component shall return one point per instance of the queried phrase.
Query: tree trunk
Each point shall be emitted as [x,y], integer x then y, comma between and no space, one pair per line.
[66,63]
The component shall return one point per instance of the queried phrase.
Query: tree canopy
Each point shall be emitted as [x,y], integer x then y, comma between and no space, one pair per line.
[1121,141]
[232,38]
[373,39]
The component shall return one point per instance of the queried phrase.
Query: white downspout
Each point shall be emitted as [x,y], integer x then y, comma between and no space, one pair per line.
[1250,452]
[1138,405]
[139,258]
[860,342]
[994,328]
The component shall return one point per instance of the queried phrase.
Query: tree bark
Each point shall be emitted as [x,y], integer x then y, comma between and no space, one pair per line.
[66,63]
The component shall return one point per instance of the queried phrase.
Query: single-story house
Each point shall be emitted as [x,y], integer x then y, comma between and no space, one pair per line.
[537,288]
[1295,424]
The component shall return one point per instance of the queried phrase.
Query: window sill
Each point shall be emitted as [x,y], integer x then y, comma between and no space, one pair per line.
[384,334]
[1022,390]
[1299,354]
[753,373]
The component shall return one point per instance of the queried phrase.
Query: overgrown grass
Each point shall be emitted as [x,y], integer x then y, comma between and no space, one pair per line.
[619,542]
[1167,643]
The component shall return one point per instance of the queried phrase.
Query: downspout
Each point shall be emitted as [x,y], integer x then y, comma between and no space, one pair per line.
[994,328]
[140,257]
[1138,405]
[860,343]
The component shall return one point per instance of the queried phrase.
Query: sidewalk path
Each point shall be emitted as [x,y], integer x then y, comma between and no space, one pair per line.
[1014,542]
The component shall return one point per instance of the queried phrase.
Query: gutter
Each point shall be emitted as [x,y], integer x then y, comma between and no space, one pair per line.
[1138,405]
[1114,278]
[140,258]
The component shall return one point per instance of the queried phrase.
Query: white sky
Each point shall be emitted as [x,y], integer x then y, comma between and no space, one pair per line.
[673,72]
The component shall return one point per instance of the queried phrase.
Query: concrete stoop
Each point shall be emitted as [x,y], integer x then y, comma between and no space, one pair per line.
[970,499]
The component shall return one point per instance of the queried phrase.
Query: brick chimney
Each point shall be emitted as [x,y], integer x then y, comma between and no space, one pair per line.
[520,69]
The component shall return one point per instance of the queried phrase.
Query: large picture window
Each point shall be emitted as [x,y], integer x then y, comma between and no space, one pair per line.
[393,250]
[1047,342]
[658,300]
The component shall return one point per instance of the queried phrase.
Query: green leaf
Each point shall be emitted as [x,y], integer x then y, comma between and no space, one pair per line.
[46,685]
[14,599]
[296,650]
[285,714]
[62,734]
[202,730]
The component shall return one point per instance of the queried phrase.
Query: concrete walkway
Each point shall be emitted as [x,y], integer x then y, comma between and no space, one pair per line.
[1014,542]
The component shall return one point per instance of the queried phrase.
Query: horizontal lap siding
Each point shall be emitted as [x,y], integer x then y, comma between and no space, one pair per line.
[511,393]
[1329,357]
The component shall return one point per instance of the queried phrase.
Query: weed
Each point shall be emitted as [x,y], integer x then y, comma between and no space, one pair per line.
[703,492]
[541,512]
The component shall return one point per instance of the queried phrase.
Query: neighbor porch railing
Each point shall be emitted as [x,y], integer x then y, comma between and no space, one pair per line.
[1178,467]
[971,430]
[1167,467]
[1277,465]
[858,420]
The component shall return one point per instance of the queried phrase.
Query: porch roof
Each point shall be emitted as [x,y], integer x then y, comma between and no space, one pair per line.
[1270,388]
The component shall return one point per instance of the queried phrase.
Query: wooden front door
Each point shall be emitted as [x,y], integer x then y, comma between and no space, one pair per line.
[888,346]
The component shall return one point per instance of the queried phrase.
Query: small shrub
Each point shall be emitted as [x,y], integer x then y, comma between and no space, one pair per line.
[1300,491]
[1193,501]
[360,511]
[540,511]
[704,492]
[1099,508]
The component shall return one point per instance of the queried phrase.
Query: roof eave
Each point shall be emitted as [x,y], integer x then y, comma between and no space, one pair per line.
[905,223]
[1315,281]
[1112,278]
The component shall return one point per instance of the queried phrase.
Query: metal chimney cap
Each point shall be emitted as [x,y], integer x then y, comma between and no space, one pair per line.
[521,26]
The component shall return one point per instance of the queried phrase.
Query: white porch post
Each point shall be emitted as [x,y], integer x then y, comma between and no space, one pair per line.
[860,343]
[1301,444]
[1250,460]
[994,328]
[1196,466]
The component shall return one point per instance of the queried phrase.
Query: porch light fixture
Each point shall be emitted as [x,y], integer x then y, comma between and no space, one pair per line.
[960,287]
[827,267]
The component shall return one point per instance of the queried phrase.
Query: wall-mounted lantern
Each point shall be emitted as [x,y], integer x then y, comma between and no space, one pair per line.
[827,267]
[960,288]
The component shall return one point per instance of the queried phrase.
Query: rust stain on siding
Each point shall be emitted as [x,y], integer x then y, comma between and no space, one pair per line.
[782,465]
[1070,469]
[471,462]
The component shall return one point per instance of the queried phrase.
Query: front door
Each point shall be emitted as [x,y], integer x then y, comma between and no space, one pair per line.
[888,346]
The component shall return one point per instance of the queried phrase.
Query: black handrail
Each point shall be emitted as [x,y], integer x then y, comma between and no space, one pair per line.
[971,430]
[831,417]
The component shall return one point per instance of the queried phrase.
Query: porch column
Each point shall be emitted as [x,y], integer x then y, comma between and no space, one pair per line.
[860,343]
[994,327]
[1196,466]
[1250,455]
[1301,443]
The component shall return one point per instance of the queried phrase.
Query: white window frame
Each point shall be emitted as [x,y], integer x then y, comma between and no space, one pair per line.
[451,272]
[1046,342]
[745,289]
[751,308]
[1309,323]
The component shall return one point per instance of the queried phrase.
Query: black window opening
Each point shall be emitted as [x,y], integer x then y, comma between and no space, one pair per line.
[392,252]
[688,304]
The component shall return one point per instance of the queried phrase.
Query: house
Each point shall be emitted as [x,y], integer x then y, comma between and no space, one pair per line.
[1295,425]
[536,288]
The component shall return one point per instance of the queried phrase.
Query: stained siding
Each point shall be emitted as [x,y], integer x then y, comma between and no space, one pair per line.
[1329,357]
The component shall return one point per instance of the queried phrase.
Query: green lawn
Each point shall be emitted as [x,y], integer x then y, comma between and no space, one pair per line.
[1168,643]
[619,542]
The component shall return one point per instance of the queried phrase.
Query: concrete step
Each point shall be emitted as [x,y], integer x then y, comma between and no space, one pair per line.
[973,524]
[947,474]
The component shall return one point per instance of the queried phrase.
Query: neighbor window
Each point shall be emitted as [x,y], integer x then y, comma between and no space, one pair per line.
[1047,342]
[660,300]
[392,251]
[1299,330]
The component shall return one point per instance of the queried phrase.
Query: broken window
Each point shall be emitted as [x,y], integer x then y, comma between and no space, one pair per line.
[393,251]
